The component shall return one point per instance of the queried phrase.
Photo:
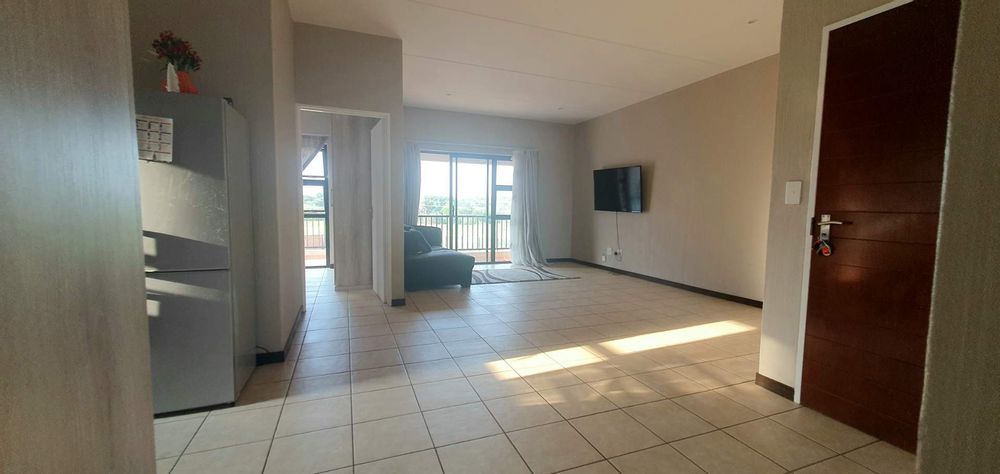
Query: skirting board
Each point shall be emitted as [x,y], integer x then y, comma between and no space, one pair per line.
[265,358]
[775,386]
[694,289]
[194,410]
[399,302]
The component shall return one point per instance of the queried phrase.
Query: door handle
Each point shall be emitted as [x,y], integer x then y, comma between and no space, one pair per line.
[824,226]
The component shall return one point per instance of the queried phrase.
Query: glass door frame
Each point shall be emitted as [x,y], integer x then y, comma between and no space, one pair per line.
[491,161]
[494,188]
[325,183]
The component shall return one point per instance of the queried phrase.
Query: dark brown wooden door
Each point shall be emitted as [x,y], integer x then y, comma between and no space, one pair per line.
[882,144]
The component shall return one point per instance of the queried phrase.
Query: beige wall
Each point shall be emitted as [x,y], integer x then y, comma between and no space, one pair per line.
[706,151]
[344,69]
[288,170]
[247,56]
[787,231]
[958,431]
[74,366]
[553,141]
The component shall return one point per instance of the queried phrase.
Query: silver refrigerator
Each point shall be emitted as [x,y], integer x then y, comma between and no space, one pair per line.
[198,241]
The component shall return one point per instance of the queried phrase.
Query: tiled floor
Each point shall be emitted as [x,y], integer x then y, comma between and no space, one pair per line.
[601,374]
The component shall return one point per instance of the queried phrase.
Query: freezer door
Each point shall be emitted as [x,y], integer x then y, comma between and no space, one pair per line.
[185,216]
[191,339]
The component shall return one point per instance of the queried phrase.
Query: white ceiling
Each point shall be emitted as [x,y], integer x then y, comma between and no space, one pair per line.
[555,60]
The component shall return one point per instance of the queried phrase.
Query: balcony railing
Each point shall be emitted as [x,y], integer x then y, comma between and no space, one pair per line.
[315,232]
[472,233]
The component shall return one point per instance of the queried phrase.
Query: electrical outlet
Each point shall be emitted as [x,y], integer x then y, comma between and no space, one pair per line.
[604,258]
[609,251]
[618,254]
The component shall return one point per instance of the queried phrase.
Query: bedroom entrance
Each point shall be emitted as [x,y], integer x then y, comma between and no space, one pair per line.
[315,210]
[469,197]
[345,156]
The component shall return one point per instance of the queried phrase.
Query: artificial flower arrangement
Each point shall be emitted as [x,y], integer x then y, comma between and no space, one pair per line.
[181,58]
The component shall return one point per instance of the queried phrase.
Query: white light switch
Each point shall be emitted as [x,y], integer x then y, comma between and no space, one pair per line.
[793,192]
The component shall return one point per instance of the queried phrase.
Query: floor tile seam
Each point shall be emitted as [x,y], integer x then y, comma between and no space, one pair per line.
[502,430]
[866,444]
[277,423]
[188,444]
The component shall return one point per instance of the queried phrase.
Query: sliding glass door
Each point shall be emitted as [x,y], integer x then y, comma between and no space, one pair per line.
[468,196]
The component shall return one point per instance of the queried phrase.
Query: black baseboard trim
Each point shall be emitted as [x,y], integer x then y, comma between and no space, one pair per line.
[194,410]
[398,302]
[775,386]
[693,289]
[296,327]
[265,358]
[559,260]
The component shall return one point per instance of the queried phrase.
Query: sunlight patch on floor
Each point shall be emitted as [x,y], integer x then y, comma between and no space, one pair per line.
[674,337]
[570,357]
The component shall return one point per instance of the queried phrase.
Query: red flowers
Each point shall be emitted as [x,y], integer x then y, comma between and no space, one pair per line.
[177,52]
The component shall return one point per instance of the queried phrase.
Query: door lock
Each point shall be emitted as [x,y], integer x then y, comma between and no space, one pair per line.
[824,226]
[823,246]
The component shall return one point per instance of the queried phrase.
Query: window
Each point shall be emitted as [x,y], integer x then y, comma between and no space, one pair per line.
[468,196]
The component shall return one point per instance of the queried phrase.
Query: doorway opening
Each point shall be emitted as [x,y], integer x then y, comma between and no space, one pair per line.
[315,210]
[345,198]
[468,196]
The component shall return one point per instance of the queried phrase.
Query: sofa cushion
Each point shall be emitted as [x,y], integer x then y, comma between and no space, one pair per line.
[414,243]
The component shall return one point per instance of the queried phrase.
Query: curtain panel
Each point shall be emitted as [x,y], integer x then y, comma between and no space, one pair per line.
[526,241]
[411,170]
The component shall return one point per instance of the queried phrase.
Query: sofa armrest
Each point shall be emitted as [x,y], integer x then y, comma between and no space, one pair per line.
[432,234]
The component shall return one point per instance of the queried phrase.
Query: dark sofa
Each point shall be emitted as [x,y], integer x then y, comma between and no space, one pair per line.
[429,265]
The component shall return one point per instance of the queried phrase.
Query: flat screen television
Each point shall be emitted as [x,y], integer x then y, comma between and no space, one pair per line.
[618,189]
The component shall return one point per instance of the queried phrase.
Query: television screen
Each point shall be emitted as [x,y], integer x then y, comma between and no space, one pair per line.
[618,189]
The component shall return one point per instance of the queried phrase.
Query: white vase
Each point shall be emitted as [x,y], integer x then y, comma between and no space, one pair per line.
[172,84]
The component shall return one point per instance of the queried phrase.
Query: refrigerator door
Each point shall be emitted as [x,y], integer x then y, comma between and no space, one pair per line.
[191,339]
[185,215]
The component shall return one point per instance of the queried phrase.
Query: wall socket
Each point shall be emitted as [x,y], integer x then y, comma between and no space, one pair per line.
[617,253]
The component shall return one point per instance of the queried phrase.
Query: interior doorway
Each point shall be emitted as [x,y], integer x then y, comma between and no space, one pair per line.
[469,197]
[345,196]
[885,92]
[315,209]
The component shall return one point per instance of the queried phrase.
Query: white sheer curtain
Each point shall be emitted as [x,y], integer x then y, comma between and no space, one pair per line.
[411,158]
[525,239]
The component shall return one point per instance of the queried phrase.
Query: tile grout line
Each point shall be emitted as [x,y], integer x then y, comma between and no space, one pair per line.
[186,445]
[350,403]
[502,431]
[277,423]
